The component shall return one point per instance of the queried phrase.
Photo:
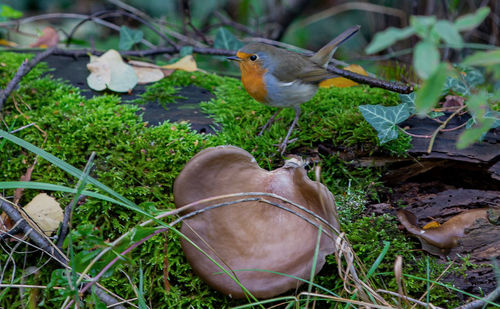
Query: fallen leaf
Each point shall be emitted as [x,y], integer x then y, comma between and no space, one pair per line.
[343,82]
[438,240]
[146,72]
[46,212]
[49,38]
[431,225]
[186,63]
[453,100]
[109,71]
[7,43]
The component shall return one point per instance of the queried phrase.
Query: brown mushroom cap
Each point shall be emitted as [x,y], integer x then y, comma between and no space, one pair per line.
[252,235]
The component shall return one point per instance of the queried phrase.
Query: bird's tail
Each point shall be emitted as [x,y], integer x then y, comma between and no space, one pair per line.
[323,56]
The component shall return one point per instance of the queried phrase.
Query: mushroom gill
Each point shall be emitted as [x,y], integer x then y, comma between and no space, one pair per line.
[252,234]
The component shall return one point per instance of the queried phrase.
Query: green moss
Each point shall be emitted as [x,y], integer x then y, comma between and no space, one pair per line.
[142,163]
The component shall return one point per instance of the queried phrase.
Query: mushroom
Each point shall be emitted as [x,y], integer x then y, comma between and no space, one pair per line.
[253,235]
[440,239]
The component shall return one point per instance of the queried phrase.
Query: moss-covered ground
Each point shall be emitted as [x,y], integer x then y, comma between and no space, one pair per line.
[141,163]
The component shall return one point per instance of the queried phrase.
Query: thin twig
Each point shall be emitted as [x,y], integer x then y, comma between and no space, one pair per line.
[408,298]
[44,244]
[110,13]
[23,69]
[99,21]
[480,303]
[68,210]
[186,8]
[441,127]
[226,21]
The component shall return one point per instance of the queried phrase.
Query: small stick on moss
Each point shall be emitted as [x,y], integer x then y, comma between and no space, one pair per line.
[441,127]
[480,303]
[23,69]
[43,243]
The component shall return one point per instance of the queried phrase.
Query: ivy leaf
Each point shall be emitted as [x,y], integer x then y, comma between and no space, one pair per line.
[129,37]
[425,59]
[224,39]
[495,116]
[431,90]
[409,101]
[386,38]
[448,33]
[7,12]
[471,21]
[384,119]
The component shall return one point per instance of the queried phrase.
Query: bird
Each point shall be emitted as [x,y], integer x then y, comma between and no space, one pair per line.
[281,78]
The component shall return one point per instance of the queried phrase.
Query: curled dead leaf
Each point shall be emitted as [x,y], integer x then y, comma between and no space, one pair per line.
[438,240]
[49,38]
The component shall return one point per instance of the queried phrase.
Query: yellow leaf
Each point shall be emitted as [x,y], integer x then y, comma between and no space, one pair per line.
[343,82]
[7,43]
[431,225]
[46,212]
[186,63]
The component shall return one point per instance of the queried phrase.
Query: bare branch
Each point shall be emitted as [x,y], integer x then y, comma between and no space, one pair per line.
[23,69]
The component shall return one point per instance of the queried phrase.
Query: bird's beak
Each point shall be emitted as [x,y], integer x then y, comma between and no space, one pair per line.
[234,58]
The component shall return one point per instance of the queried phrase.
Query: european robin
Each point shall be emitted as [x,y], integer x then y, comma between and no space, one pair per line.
[281,78]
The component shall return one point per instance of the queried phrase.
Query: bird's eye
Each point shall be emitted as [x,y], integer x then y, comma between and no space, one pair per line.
[253,57]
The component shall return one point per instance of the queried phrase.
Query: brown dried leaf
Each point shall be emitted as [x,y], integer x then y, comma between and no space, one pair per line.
[49,38]
[453,100]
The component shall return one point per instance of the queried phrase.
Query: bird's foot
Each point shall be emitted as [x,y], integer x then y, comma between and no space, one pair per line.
[282,146]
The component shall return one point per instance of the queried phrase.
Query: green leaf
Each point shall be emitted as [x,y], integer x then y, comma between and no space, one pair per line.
[425,59]
[495,116]
[456,85]
[471,21]
[448,33]
[469,136]
[224,39]
[435,114]
[409,101]
[483,58]
[422,25]
[431,90]
[386,38]
[129,37]
[384,119]
[8,12]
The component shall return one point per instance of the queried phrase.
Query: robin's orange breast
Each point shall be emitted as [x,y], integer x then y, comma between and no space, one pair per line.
[252,77]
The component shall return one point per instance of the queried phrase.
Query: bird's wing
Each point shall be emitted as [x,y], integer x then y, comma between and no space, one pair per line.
[300,68]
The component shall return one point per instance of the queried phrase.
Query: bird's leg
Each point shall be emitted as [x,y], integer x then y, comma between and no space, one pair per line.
[270,121]
[295,120]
